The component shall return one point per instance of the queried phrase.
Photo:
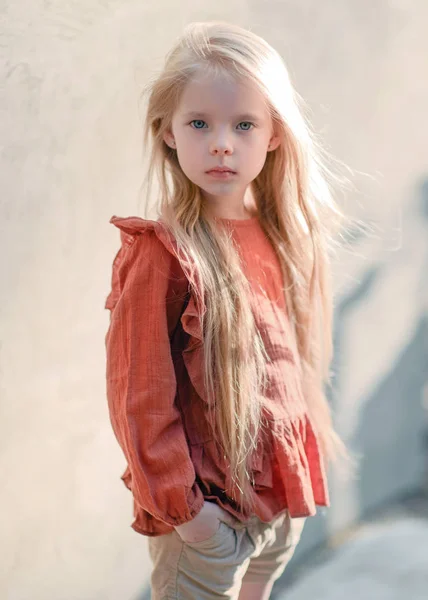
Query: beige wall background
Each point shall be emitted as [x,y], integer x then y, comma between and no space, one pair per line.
[71,157]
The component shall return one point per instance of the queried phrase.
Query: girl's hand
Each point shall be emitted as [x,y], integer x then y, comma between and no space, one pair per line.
[205,524]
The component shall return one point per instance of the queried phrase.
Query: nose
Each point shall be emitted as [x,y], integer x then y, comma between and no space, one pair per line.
[220,146]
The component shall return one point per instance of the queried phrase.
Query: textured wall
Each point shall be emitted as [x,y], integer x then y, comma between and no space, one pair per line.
[71,158]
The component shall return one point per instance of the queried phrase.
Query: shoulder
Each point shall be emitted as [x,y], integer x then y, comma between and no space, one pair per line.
[145,245]
[133,227]
[152,232]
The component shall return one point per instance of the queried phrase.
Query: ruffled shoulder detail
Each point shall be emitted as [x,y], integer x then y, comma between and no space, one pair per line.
[130,229]
[133,225]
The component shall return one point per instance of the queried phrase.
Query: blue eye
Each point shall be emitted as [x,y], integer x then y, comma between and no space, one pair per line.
[247,123]
[197,121]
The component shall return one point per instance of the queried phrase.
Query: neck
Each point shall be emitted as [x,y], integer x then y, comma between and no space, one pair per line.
[243,210]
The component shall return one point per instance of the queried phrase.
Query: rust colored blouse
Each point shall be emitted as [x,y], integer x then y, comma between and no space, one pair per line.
[155,392]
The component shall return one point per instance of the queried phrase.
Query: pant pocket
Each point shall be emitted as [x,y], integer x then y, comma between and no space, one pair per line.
[213,568]
[223,538]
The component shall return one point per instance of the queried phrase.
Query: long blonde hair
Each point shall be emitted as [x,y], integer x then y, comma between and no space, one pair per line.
[295,209]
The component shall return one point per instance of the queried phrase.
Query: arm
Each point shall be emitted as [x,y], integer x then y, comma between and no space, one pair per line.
[141,386]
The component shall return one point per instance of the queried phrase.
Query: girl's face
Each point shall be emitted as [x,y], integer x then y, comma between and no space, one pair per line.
[220,122]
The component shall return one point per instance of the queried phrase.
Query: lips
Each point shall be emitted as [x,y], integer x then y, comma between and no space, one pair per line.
[221,170]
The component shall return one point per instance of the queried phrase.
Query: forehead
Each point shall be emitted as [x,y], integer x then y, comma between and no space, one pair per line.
[219,95]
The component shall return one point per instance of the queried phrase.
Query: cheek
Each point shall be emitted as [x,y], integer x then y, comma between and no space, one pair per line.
[190,160]
[187,139]
[257,161]
[189,152]
[255,149]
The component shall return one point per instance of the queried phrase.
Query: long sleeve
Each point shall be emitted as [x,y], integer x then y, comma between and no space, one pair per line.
[141,383]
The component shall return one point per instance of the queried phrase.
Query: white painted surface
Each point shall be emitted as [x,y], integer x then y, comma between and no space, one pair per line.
[71,155]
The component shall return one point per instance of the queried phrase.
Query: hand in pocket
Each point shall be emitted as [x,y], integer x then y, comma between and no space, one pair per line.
[205,524]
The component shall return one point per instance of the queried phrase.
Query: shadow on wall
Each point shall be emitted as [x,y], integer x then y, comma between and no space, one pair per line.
[391,428]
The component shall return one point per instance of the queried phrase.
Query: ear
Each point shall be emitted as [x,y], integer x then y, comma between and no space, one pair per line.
[274,142]
[168,138]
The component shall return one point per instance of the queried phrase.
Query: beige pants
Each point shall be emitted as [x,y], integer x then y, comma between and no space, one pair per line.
[215,568]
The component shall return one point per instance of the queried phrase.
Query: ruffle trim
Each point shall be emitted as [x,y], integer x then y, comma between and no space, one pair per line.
[290,465]
[301,465]
[132,227]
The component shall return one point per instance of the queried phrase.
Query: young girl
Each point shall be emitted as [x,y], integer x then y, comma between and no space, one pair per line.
[219,341]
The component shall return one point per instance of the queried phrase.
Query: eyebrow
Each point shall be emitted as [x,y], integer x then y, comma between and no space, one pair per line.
[243,117]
